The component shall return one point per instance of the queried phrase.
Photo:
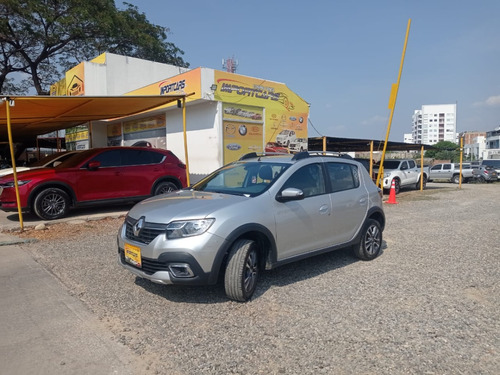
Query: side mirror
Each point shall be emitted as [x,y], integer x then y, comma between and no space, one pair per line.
[290,194]
[94,165]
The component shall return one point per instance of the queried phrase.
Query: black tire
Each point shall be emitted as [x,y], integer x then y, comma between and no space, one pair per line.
[456,179]
[370,244]
[165,187]
[242,271]
[417,186]
[481,179]
[51,204]
[397,185]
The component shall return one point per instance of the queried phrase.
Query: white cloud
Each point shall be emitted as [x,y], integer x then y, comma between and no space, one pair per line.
[492,101]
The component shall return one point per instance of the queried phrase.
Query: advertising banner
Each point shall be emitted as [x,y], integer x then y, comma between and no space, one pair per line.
[75,81]
[182,83]
[285,120]
[243,130]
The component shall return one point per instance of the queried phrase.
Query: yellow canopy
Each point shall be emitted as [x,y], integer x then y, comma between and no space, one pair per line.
[24,117]
[35,115]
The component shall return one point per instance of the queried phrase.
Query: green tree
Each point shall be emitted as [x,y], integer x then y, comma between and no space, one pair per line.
[40,39]
[444,150]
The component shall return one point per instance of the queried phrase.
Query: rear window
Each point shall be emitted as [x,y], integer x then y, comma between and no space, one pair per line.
[492,162]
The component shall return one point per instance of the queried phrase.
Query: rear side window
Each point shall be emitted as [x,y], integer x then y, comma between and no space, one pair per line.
[141,157]
[412,163]
[343,176]
[446,166]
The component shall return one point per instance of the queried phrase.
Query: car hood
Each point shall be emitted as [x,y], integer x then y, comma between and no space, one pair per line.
[183,204]
[29,173]
[6,171]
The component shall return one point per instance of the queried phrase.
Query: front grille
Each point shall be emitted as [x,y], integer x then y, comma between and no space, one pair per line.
[147,234]
[149,266]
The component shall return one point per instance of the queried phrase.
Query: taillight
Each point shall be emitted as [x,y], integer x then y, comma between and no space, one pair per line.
[485,171]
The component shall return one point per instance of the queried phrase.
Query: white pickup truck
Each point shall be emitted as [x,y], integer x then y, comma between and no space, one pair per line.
[451,172]
[404,172]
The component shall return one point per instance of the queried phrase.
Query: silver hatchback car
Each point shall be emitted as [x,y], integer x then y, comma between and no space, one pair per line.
[254,214]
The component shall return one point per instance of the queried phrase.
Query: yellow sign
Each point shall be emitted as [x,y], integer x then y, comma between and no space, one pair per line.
[282,112]
[75,81]
[182,83]
[143,124]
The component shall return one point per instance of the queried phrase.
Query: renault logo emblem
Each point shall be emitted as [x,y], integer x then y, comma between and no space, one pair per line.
[138,226]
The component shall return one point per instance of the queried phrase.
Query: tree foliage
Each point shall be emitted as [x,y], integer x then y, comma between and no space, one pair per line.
[444,150]
[43,38]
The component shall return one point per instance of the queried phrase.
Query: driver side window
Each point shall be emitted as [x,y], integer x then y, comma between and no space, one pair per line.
[309,179]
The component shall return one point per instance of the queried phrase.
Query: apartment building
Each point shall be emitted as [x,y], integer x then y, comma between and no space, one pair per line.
[434,123]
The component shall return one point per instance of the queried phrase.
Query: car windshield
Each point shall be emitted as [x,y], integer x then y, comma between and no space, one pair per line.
[242,178]
[76,159]
[46,160]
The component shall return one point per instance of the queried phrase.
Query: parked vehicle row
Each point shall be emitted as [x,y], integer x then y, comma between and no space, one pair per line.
[404,173]
[100,176]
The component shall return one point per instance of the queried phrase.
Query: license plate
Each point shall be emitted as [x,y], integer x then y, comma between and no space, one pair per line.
[133,255]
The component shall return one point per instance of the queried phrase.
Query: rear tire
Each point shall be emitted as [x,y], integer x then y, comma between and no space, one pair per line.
[417,186]
[456,179]
[51,204]
[242,270]
[370,244]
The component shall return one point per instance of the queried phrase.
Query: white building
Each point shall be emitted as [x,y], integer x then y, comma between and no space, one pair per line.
[492,144]
[435,123]
[408,138]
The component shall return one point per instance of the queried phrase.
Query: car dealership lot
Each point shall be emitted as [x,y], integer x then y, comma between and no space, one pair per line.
[428,304]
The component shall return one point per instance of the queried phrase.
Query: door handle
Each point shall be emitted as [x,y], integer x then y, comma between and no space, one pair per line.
[324,209]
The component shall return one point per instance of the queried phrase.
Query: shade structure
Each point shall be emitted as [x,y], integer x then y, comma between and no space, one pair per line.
[36,115]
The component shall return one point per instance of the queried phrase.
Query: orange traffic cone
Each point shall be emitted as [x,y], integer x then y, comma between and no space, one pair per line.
[392,194]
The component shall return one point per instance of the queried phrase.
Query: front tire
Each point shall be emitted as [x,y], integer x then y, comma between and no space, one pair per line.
[242,270]
[397,185]
[165,187]
[51,204]
[370,245]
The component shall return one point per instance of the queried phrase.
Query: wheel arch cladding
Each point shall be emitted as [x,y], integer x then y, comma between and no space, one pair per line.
[255,232]
[49,185]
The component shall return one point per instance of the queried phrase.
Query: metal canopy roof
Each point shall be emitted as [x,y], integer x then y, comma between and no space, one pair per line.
[352,144]
[36,115]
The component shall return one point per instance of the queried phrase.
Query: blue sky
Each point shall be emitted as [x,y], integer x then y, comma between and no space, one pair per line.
[343,56]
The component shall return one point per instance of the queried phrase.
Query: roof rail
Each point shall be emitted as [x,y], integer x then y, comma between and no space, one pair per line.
[257,154]
[248,156]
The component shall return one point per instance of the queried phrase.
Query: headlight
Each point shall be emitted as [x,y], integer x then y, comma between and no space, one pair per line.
[11,183]
[387,174]
[188,228]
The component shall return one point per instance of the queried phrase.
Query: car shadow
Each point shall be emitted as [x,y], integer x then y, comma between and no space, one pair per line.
[282,276]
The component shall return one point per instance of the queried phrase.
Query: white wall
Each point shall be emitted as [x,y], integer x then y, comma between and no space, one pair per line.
[204,136]
[122,74]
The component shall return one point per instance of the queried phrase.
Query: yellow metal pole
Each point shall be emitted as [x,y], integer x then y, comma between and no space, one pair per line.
[185,139]
[13,158]
[392,102]
[324,144]
[422,168]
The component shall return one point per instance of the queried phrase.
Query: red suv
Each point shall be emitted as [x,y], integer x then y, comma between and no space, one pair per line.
[94,177]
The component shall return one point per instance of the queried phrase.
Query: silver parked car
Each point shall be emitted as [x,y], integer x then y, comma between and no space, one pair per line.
[254,214]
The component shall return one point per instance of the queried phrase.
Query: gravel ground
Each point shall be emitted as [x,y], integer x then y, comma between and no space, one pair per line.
[428,305]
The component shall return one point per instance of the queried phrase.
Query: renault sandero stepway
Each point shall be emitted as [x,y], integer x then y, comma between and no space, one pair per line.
[252,215]
[100,176]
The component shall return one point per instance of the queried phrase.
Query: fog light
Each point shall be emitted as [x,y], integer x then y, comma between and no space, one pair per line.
[180,270]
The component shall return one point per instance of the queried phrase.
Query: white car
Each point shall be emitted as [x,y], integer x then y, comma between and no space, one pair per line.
[285,137]
[47,162]
[298,145]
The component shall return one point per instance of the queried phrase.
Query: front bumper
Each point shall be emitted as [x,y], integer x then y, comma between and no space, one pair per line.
[163,260]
